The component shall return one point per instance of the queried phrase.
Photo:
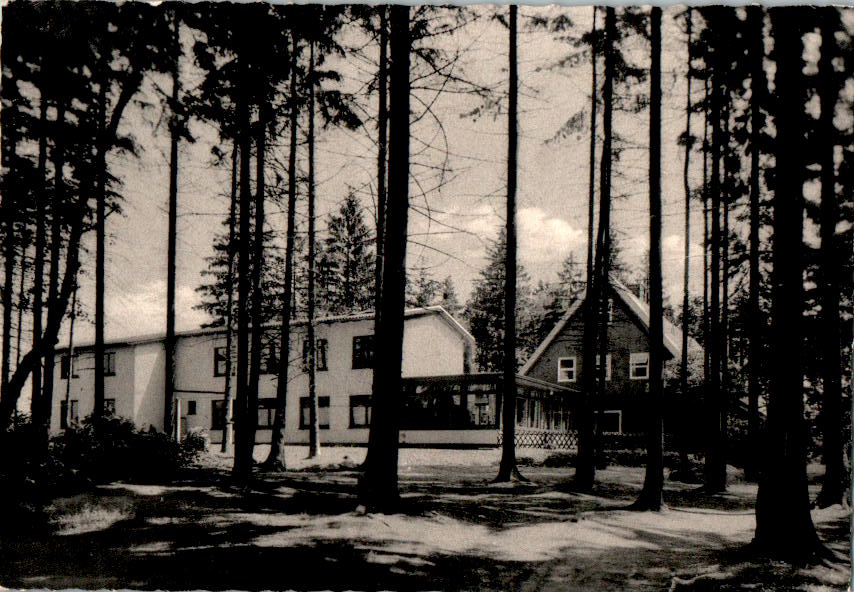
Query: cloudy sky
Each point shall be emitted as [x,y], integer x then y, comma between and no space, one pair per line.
[466,209]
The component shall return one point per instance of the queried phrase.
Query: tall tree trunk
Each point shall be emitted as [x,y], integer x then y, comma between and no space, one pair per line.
[715,469]
[591,172]
[382,157]
[599,457]
[276,458]
[507,470]
[314,419]
[42,420]
[653,483]
[727,196]
[100,245]
[169,411]
[833,485]
[227,444]
[784,526]
[378,488]
[242,469]
[31,361]
[256,321]
[706,242]
[71,317]
[38,257]
[756,53]
[683,429]
[9,211]
[22,298]
[585,471]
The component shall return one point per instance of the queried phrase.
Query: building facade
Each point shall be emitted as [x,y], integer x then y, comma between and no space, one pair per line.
[434,344]
[558,359]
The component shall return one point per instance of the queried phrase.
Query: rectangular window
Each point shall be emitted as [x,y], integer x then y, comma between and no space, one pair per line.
[607,366]
[639,366]
[110,364]
[322,413]
[566,369]
[218,414]
[219,362]
[360,411]
[109,407]
[269,359]
[612,421]
[191,407]
[320,348]
[66,363]
[266,412]
[610,310]
[363,351]
[64,416]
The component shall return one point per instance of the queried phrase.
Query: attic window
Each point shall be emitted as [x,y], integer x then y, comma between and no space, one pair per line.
[566,369]
[639,366]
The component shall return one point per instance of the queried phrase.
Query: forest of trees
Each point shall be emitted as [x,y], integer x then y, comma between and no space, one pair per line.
[767,129]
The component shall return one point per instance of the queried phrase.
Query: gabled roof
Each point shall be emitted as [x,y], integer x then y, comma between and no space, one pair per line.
[672,333]
[409,313]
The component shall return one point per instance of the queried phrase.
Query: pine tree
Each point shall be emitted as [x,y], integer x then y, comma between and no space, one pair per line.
[485,310]
[347,260]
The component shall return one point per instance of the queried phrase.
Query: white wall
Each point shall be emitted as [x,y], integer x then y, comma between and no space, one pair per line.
[430,347]
[119,387]
[149,376]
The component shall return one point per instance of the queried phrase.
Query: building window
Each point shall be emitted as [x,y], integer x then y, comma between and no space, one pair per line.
[269,359]
[219,362]
[266,412]
[610,310]
[612,421]
[110,364]
[109,407]
[67,363]
[218,414]
[566,369]
[322,413]
[363,351]
[64,416]
[639,366]
[320,347]
[191,407]
[360,411]
[607,367]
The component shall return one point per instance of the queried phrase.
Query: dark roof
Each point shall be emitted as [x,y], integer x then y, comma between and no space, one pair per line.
[640,309]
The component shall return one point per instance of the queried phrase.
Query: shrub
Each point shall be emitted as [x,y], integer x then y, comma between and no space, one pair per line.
[197,440]
[111,449]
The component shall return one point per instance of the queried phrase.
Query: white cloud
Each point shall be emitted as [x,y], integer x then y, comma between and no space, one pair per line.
[545,240]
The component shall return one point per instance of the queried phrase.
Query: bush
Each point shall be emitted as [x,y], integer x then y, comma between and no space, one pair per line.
[198,440]
[112,449]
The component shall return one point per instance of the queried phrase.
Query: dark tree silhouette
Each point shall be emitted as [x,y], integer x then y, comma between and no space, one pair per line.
[507,470]
[784,527]
[650,496]
[833,484]
[276,458]
[378,486]
[758,91]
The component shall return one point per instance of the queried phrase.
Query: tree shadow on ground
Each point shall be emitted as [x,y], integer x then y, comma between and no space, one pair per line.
[298,530]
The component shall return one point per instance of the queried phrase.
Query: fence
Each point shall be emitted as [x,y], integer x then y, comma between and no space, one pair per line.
[546,439]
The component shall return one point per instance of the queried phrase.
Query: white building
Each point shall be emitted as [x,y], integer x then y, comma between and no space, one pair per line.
[434,344]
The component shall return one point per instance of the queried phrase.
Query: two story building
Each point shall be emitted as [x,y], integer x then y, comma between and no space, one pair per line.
[558,358]
[434,344]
